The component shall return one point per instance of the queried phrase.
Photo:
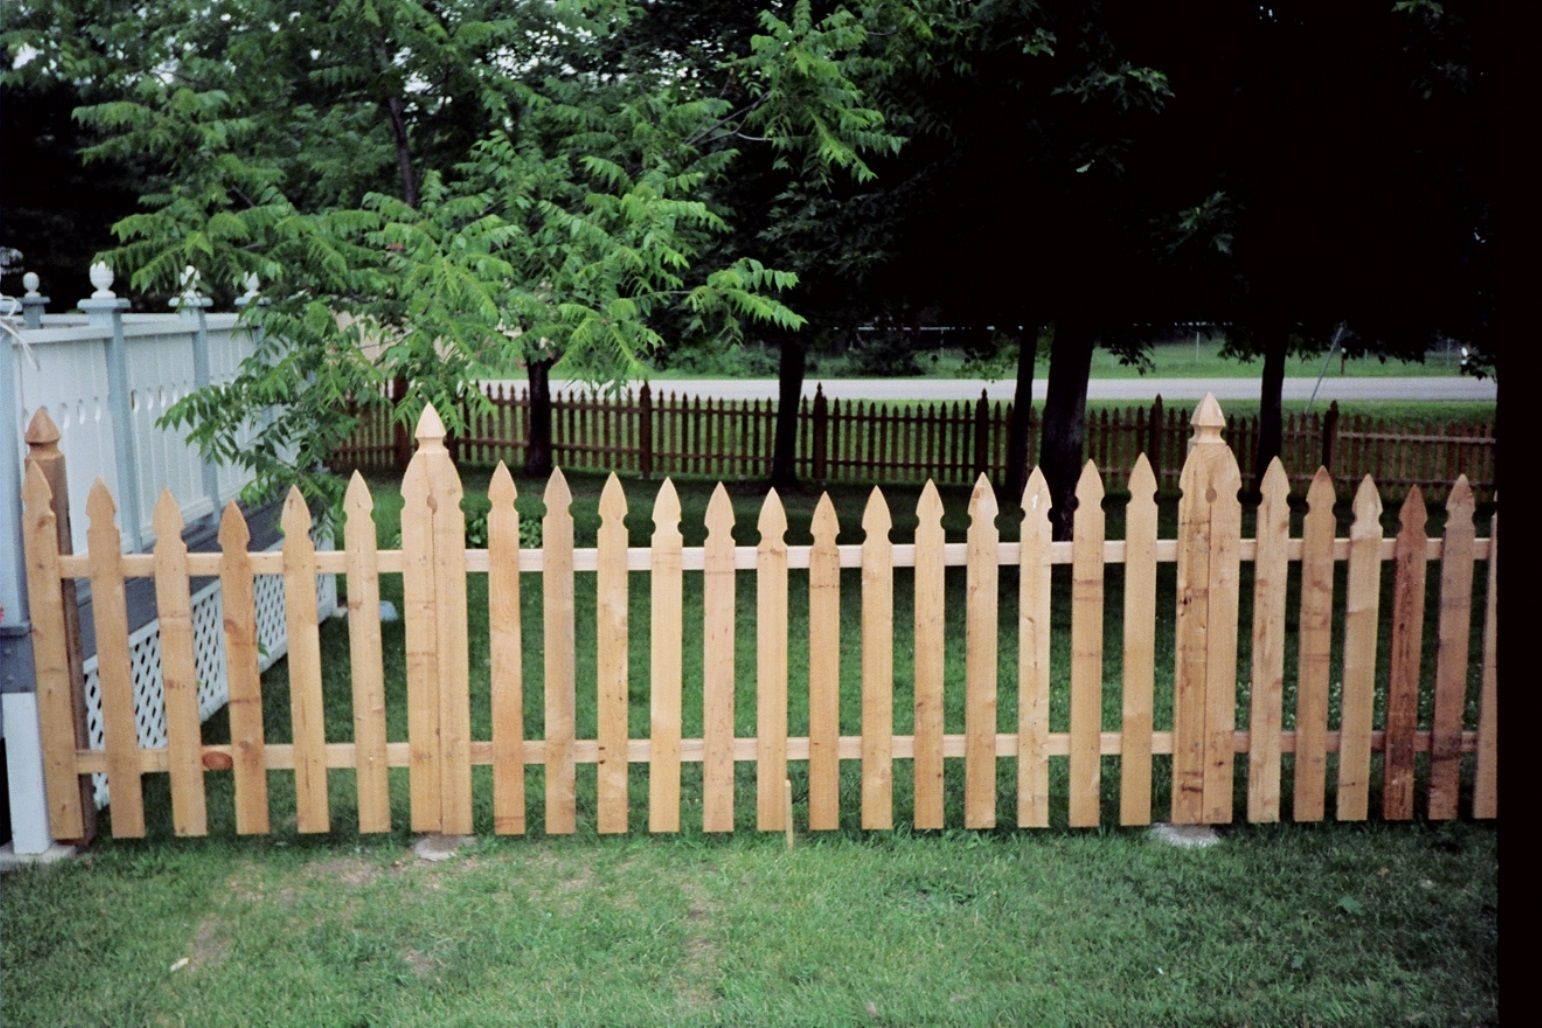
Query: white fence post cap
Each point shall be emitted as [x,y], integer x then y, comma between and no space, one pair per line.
[101,277]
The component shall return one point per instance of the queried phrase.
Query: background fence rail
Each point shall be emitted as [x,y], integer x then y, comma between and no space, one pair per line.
[951,442]
[439,750]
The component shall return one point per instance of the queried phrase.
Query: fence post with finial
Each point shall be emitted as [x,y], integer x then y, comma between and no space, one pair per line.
[60,680]
[193,306]
[982,435]
[105,308]
[32,303]
[645,429]
[821,441]
[1330,431]
[1209,551]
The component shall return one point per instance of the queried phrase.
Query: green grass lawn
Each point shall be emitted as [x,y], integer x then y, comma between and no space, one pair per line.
[1169,360]
[1331,923]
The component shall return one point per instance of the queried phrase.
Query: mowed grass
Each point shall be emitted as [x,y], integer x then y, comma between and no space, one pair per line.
[1168,360]
[1328,923]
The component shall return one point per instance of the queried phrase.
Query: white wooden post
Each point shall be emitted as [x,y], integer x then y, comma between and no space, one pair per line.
[30,834]
[193,305]
[32,304]
[105,308]
[251,296]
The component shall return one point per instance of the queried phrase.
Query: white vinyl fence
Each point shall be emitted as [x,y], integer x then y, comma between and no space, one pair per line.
[105,377]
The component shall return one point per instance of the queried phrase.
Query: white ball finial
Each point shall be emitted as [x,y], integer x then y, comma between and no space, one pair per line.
[101,277]
[30,281]
[251,283]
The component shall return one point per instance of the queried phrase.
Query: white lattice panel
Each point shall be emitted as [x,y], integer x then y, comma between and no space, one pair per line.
[209,660]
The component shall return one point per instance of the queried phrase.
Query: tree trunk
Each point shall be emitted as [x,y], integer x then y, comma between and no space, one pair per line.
[1022,410]
[789,376]
[538,462]
[1065,415]
[398,115]
[1275,339]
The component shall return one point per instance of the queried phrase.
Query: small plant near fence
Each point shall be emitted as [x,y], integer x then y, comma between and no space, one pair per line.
[439,548]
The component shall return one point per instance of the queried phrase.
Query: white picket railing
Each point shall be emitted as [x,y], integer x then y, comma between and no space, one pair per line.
[106,376]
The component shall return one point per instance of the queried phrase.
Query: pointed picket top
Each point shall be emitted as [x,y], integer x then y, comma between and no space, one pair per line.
[1276,484]
[1089,487]
[825,526]
[1208,421]
[720,512]
[1319,495]
[876,521]
[167,520]
[1367,508]
[558,496]
[100,507]
[666,509]
[1143,483]
[1036,495]
[501,490]
[38,497]
[773,520]
[982,501]
[1413,516]
[929,506]
[357,500]
[296,517]
[234,534]
[612,501]
[1460,503]
[42,433]
[430,431]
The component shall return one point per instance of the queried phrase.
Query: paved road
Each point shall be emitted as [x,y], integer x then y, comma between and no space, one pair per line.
[1132,389]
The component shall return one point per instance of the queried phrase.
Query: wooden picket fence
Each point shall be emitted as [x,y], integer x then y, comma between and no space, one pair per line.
[951,443]
[440,752]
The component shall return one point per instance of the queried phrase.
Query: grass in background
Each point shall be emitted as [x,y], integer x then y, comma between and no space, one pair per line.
[1169,360]
[1325,923]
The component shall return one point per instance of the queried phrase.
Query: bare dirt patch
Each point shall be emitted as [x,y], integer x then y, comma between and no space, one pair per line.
[347,870]
[701,953]
[423,965]
[210,944]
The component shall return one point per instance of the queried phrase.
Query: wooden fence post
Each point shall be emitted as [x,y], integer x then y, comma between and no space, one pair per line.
[1330,431]
[645,429]
[434,595]
[1205,687]
[982,436]
[821,433]
[71,807]
[1153,440]
[403,440]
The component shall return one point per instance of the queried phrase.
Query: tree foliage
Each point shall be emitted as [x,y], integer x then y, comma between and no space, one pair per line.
[428,190]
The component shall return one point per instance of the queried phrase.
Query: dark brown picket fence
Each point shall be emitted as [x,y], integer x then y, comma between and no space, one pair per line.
[951,443]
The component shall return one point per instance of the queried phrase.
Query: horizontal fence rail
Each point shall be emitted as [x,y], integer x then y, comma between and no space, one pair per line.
[951,443]
[1210,753]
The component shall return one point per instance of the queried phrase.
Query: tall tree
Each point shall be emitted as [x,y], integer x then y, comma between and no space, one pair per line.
[468,188]
[1339,160]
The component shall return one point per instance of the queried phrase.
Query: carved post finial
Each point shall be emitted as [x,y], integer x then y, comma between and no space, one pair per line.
[30,282]
[1208,421]
[102,277]
[430,431]
[42,434]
